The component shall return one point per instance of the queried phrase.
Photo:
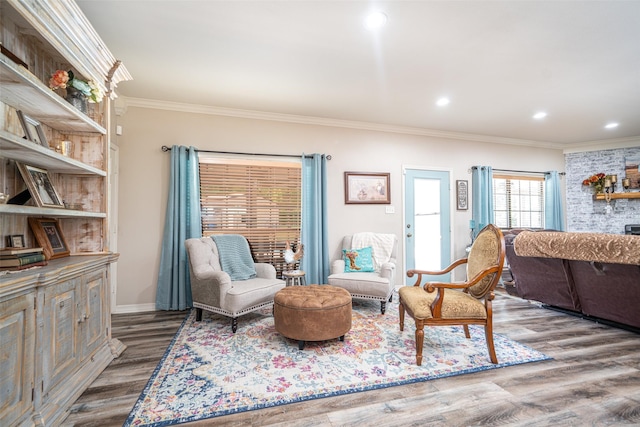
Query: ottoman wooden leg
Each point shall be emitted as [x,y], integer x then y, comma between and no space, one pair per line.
[342,338]
[300,345]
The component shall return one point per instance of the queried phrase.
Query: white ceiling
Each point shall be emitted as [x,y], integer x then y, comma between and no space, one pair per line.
[499,62]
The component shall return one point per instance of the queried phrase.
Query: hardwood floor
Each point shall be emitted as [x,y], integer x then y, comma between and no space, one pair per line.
[594,379]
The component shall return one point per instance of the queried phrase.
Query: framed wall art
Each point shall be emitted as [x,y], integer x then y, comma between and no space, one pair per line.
[367,188]
[32,129]
[40,186]
[462,195]
[49,235]
[15,241]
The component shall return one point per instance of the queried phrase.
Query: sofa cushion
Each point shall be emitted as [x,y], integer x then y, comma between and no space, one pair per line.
[358,260]
[362,283]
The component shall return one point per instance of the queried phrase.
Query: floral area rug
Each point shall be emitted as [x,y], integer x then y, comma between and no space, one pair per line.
[207,371]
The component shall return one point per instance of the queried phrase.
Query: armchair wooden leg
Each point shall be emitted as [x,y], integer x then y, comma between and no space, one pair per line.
[466,331]
[234,324]
[401,314]
[198,314]
[488,332]
[419,342]
[383,307]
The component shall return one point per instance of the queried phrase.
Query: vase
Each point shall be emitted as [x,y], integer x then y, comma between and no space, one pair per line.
[77,99]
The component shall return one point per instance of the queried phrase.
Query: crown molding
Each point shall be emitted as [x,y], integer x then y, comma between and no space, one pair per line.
[377,127]
[604,144]
[321,121]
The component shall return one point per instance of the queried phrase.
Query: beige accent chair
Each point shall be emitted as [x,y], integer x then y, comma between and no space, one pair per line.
[213,290]
[460,303]
[377,285]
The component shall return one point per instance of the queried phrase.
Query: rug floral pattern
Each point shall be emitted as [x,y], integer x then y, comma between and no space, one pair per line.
[208,371]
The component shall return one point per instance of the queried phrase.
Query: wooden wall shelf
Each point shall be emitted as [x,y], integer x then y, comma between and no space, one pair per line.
[36,155]
[24,91]
[629,195]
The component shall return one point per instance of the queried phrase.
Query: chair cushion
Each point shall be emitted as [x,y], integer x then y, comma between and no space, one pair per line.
[362,283]
[456,304]
[245,293]
[358,260]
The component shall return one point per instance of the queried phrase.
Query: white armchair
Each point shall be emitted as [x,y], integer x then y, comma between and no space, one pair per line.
[375,285]
[212,289]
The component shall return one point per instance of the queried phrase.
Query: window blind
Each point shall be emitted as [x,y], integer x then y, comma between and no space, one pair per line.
[259,199]
[518,201]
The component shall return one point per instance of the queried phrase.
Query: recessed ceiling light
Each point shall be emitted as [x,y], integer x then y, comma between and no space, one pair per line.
[443,101]
[540,115]
[611,125]
[375,20]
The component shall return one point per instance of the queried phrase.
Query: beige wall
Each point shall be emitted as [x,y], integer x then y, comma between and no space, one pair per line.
[144,173]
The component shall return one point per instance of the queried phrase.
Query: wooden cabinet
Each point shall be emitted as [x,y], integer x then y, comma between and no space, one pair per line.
[55,321]
[55,337]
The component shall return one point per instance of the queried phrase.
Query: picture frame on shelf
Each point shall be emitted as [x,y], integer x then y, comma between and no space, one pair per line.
[462,194]
[367,188]
[15,241]
[40,186]
[32,129]
[49,236]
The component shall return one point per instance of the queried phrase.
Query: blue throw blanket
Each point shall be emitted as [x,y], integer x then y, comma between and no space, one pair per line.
[235,256]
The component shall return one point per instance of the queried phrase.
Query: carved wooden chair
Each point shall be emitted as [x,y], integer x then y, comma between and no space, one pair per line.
[459,303]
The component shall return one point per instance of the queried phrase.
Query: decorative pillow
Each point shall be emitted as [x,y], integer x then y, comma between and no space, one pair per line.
[358,260]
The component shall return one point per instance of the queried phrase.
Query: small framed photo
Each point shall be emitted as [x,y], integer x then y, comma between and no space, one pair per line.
[32,129]
[15,241]
[40,186]
[462,195]
[367,188]
[49,235]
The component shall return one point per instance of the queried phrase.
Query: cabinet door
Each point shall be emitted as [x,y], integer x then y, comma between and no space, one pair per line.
[62,316]
[17,357]
[95,311]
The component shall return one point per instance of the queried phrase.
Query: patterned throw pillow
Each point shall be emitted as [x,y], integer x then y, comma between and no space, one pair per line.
[358,260]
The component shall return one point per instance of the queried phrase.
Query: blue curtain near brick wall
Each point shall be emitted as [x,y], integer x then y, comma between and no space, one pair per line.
[481,198]
[553,217]
[182,221]
[315,262]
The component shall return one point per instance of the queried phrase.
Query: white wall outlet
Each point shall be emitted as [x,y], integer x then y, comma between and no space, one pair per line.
[390,209]
[118,130]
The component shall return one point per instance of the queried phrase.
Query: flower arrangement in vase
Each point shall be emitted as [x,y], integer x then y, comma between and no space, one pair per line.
[78,91]
[596,182]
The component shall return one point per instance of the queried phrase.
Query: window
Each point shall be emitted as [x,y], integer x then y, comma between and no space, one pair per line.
[518,201]
[259,199]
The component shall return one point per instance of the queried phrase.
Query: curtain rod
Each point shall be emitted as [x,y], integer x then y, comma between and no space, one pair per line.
[328,156]
[518,171]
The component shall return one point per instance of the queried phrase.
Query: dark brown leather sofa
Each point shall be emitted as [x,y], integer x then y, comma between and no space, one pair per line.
[593,274]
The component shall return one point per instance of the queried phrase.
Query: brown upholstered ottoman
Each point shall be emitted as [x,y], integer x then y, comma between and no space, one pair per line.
[312,313]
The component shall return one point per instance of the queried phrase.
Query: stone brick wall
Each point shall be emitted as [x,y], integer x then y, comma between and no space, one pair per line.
[586,214]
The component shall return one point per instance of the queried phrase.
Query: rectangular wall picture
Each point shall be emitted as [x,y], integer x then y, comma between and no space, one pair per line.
[367,188]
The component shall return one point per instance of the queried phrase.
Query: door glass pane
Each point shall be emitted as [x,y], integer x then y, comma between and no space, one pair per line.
[427,213]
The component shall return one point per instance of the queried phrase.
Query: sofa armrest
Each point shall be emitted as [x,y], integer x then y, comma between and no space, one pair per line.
[265,271]
[337,266]
[387,270]
[207,285]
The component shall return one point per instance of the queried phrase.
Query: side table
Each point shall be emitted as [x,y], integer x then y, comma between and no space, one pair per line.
[294,278]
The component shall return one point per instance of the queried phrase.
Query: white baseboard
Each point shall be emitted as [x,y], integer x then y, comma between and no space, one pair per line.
[135,308]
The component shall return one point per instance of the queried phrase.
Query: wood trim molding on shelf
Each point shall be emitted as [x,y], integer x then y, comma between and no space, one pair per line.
[52,212]
[630,195]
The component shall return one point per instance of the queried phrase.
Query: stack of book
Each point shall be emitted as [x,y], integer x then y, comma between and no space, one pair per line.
[21,258]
